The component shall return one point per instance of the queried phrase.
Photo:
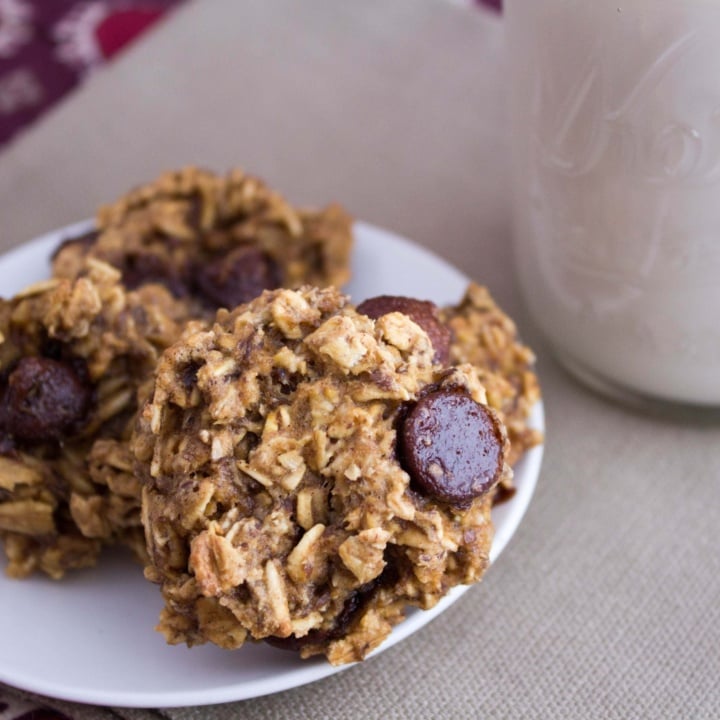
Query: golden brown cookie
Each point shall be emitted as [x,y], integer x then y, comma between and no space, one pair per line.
[214,241]
[308,472]
[73,357]
[478,332]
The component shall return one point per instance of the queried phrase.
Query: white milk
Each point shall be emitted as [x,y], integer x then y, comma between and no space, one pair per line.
[615,111]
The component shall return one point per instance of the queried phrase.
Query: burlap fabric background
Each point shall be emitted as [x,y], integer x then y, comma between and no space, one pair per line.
[606,604]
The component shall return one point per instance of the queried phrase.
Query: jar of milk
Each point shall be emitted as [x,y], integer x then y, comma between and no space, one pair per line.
[615,108]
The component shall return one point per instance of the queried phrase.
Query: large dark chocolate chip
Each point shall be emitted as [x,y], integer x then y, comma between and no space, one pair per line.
[451,446]
[237,277]
[44,400]
[422,312]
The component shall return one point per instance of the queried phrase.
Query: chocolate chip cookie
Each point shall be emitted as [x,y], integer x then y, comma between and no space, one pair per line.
[309,472]
[214,241]
[73,357]
[478,332]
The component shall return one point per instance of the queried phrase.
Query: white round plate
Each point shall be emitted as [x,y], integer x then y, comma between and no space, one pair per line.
[90,638]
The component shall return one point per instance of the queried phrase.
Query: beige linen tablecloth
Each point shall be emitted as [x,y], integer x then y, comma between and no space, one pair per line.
[606,604]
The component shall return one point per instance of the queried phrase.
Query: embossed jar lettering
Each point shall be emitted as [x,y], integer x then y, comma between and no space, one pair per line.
[616,169]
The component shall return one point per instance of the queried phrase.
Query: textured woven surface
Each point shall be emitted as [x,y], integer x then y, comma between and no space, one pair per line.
[605,604]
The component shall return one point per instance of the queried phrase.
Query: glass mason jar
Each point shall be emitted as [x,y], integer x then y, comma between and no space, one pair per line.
[615,137]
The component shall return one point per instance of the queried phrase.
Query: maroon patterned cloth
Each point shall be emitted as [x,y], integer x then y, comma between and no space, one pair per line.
[47,47]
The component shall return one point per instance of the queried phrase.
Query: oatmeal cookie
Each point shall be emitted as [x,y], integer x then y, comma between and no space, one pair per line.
[308,472]
[216,241]
[478,332]
[73,357]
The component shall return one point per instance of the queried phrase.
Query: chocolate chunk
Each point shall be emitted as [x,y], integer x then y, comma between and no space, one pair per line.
[503,494]
[422,312]
[83,241]
[451,447]
[148,268]
[188,376]
[194,211]
[237,277]
[44,400]
[352,608]
[296,644]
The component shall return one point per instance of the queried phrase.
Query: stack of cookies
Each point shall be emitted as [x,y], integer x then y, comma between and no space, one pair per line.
[289,467]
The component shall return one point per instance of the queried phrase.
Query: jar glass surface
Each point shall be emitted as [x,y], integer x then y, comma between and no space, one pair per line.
[615,141]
